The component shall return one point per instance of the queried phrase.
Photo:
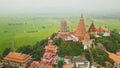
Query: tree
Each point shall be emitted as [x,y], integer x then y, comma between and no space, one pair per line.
[57,41]
[38,49]
[53,35]
[111,43]
[25,49]
[70,48]
[0,57]
[100,56]
[6,51]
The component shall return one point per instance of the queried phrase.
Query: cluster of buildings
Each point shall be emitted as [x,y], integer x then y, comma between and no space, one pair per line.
[76,61]
[50,57]
[80,33]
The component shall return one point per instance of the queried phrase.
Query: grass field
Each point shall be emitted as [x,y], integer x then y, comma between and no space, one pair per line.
[20,31]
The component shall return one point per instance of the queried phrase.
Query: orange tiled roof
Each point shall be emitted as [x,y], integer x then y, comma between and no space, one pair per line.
[101,29]
[51,47]
[67,66]
[118,53]
[80,31]
[17,57]
[107,62]
[114,57]
[1,63]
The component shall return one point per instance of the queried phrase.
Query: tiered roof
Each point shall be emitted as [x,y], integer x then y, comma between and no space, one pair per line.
[92,28]
[17,57]
[80,31]
[101,29]
[51,47]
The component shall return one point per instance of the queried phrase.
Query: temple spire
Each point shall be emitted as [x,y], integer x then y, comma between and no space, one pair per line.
[63,25]
[92,21]
[81,15]
[92,28]
[80,31]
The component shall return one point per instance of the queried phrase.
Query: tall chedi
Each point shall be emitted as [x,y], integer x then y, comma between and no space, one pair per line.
[63,26]
[80,31]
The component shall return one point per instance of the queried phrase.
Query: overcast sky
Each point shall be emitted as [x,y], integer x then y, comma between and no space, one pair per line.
[34,6]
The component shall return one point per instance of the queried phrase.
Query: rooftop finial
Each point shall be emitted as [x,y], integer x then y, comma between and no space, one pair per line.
[92,21]
[81,15]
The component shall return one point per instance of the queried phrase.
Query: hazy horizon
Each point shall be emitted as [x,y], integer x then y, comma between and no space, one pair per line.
[58,6]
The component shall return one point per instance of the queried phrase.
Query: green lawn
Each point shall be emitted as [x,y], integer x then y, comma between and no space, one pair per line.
[20,31]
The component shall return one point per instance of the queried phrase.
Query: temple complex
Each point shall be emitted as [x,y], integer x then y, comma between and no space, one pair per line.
[76,35]
[49,58]
[79,33]
[17,60]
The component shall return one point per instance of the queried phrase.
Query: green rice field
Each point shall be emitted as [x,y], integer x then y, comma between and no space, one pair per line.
[21,31]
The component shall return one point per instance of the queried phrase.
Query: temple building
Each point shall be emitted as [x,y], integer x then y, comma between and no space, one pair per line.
[67,66]
[80,31]
[68,62]
[63,25]
[100,30]
[79,34]
[64,35]
[103,31]
[50,57]
[81,62]
[92,29]
[87,42]
[115,58]
[1,64]
[75,35]
[17,60]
